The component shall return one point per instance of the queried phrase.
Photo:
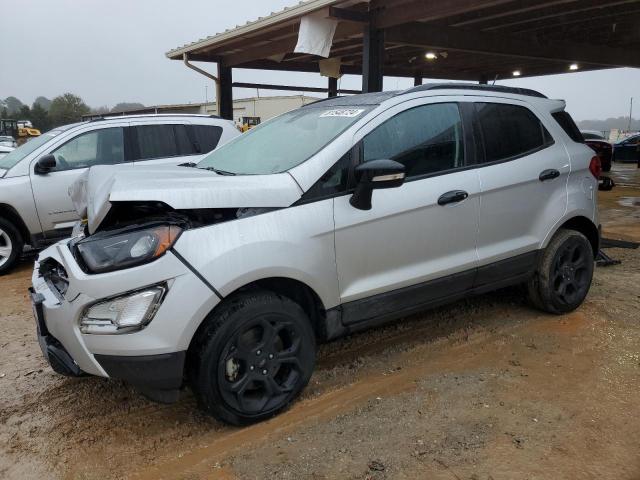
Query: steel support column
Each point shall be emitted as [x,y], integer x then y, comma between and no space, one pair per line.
[333,87]
[372,59]
[225,109]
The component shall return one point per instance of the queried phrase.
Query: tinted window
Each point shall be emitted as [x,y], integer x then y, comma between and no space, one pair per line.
[206,137]
[425,139]
[98,147]
[509,131]
[568,125]
[185,145]
[592,136]
[156,141]
[335,180]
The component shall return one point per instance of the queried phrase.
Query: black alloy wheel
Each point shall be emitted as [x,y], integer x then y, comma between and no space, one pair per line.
[261,364]
[253,357]
[563,274]
[571,271]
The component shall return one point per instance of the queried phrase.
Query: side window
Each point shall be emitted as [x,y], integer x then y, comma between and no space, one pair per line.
[426,139]
[156,141]
[98,147]
[568,125]
[335,180]
[206,137]
[509,131]
[185,146]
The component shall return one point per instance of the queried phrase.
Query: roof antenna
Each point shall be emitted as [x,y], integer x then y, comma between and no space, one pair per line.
[494,80]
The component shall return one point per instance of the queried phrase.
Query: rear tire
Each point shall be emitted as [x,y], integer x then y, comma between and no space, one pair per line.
[253,357]
[11,246]
[563,277]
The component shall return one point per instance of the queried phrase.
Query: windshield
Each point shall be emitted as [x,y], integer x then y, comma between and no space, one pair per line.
[11,160]
[284,142]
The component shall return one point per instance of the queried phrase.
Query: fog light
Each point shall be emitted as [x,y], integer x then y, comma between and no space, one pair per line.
[123,314]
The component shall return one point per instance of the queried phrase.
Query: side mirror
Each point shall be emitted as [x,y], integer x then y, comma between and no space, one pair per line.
[45,164]
[374,175]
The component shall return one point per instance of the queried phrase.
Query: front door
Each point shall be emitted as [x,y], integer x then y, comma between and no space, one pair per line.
[99,146]
[418,242]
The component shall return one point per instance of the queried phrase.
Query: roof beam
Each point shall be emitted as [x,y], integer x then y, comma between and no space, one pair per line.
[429,10]
[426,36]
[288,88]
[348,15]
[549,17]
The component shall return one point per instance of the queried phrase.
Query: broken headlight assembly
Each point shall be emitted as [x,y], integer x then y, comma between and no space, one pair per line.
[105,253]
[123,314]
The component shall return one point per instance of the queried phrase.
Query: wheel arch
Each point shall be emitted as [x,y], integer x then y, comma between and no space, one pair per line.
[11,214]
[583,225]
[294,289]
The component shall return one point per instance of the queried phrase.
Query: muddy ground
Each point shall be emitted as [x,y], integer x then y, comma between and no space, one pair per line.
[484,389]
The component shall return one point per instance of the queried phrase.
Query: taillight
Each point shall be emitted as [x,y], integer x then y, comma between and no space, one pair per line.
[595,167]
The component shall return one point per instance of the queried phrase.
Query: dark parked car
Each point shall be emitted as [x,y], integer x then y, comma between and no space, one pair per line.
[601,146]
[627,150]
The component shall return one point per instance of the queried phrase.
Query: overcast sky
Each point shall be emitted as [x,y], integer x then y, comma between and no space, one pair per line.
[112,51]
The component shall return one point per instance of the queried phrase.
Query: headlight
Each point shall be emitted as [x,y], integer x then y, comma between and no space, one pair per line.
[102,254]
[123,314]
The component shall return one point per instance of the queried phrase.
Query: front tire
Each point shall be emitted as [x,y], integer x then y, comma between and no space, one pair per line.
[11,245]
[564,273]
[253,357]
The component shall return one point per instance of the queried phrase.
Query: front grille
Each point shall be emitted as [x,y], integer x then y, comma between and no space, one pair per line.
[55,275]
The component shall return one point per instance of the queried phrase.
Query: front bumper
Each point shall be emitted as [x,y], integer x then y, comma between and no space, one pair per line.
[151,359]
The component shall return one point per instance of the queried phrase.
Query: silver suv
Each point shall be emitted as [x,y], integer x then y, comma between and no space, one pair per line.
[327,220]
[35,208]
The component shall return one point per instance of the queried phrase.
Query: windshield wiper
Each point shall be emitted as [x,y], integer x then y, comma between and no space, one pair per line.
[219,172]
[188,164]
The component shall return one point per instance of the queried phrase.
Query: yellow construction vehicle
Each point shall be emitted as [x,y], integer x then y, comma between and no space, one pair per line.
[26,131]
[247,123]
[20,130]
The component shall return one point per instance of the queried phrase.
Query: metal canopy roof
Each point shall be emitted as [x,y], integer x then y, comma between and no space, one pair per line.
[473,39]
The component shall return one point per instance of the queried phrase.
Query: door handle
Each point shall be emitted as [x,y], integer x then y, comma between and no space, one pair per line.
[549,174]
[454,196]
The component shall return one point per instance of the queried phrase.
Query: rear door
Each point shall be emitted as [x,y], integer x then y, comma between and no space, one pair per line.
[408,240]
[523,175]
[100,145]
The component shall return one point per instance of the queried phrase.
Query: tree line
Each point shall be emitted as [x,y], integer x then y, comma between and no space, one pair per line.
[46,114]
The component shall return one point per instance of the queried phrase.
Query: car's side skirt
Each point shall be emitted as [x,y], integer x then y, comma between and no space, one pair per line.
[385,307]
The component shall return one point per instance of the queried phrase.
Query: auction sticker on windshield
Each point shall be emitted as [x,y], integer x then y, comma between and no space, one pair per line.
[343,112]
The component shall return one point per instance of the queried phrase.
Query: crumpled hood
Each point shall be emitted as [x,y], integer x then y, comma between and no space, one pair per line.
[181,188]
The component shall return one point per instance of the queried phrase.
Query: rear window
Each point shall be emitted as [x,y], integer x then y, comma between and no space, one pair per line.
[206,137]
[568,125]
[510,131]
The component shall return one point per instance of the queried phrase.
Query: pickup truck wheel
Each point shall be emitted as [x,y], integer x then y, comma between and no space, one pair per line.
[253,358]
[564,273]
[11,245]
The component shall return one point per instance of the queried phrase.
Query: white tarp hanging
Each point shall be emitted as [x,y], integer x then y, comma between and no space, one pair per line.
[316,35]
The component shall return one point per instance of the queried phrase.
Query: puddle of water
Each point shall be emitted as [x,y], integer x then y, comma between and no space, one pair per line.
[629,201]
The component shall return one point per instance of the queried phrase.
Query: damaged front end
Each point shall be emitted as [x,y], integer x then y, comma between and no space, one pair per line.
[136,233]
[133,218]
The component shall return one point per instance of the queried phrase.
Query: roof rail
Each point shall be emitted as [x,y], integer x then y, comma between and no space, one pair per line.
[119,116]
[475,86]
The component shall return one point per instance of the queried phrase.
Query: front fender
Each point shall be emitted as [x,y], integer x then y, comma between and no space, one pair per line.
[295,243]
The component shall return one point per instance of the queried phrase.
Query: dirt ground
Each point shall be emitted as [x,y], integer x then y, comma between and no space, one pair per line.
[484,389]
